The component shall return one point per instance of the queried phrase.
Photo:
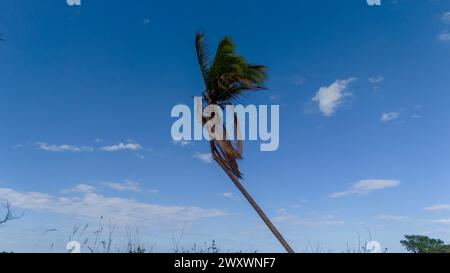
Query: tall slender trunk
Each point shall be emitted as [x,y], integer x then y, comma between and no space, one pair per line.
[261,214]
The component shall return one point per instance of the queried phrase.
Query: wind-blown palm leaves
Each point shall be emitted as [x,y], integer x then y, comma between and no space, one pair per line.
[226,77]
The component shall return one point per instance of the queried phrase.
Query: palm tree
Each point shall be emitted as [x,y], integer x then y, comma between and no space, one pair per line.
[226,77]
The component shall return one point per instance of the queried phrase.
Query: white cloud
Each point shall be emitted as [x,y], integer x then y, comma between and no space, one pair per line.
[446,18]
[121,147]
[406,219]
[331,97]
[128,185]
[131,145]
[443,221]
[63,148]
[375,80]
[228,195]
[367,186]
[73,2]
[386,117]
[183,143]
[91,205]
[81,188]
[284,216]
[397,218]
[205,157]
[438,207]
[444,36]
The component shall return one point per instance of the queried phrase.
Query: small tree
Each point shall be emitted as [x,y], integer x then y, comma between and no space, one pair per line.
[424,244]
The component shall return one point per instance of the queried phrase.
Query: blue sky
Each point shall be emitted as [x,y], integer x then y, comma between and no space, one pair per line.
[86,93]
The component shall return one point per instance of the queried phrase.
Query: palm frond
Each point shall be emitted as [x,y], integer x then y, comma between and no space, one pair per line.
[202,56]
[230,74]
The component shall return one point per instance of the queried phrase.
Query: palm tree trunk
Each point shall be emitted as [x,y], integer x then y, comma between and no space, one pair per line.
[261,214]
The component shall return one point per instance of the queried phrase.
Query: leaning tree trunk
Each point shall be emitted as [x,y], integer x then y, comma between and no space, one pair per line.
[261,214]
[225,154]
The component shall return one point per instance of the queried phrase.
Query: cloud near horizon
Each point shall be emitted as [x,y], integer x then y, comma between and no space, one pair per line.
[438,207]
[87,204]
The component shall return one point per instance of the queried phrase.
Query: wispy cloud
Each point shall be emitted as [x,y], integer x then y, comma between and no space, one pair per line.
[444,36]
[446,18]
[367,186]
[331,97]
[121,147]
[183,143]
[438,207]
[91,205]
[412,220]
[442,221]
[229,195]
[396,218]
[80,188]
[386,117]
[128,185]
[63,148]
[131,145]
[284,216]
[205,157]
[376,80]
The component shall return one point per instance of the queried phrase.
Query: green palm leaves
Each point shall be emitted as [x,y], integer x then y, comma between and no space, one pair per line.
[227,75]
